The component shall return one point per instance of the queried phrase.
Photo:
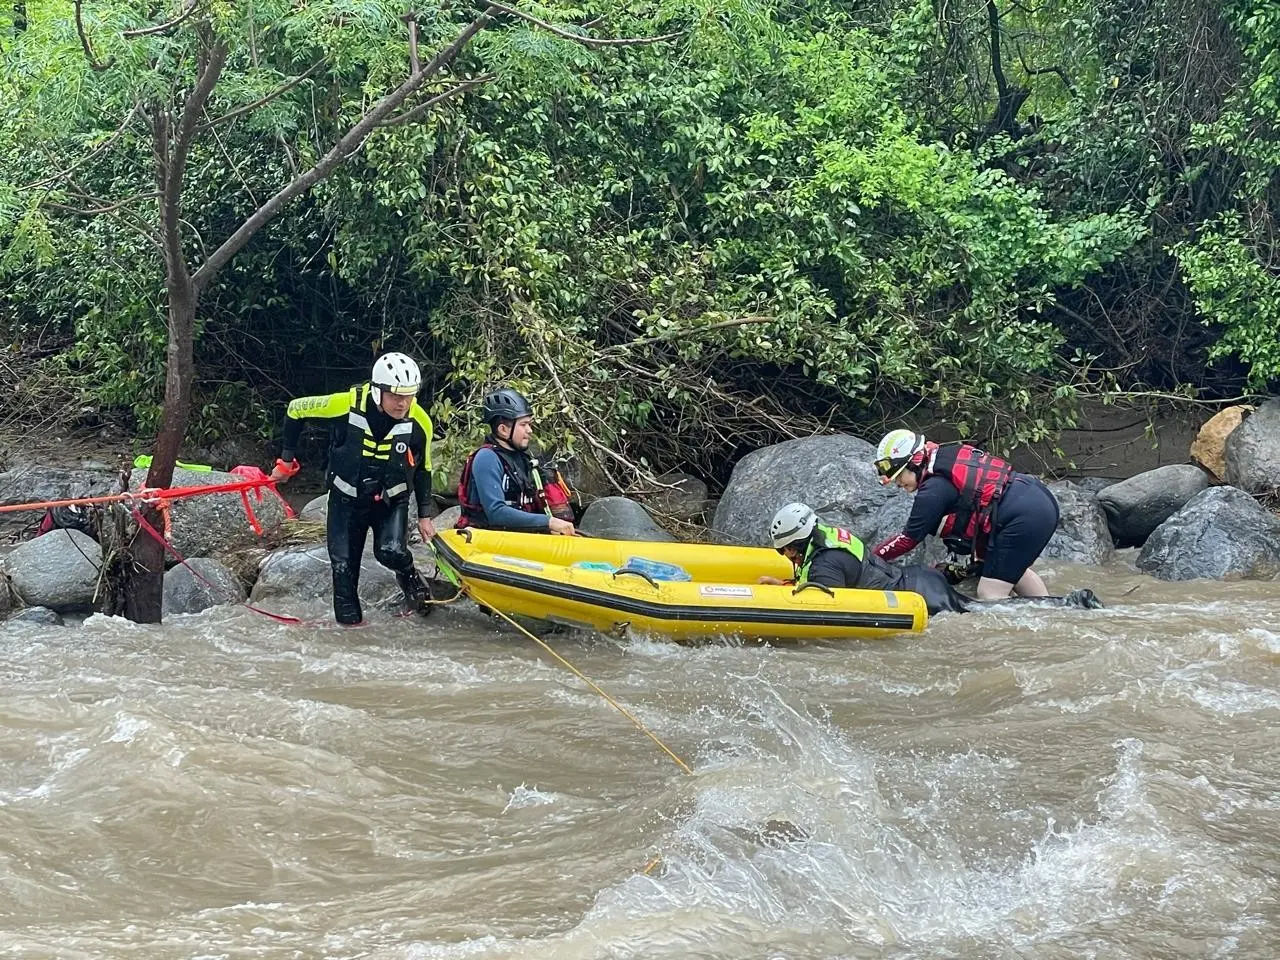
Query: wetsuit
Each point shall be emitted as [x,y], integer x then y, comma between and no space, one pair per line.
[836,558]
[374,464]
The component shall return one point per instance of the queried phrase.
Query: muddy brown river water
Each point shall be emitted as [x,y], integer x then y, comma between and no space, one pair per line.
[1021,783]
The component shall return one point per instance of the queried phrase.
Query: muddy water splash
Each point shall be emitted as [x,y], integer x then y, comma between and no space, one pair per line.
[1021,783]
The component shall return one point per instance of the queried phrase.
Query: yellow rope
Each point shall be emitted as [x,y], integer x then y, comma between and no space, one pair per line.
[594,686]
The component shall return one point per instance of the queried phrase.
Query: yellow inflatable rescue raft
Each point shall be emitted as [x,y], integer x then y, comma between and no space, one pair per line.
[677,590]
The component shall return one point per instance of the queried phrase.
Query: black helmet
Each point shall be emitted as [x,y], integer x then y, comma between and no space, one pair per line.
[506,404]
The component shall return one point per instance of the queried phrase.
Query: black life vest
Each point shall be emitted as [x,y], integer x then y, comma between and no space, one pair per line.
[362,465]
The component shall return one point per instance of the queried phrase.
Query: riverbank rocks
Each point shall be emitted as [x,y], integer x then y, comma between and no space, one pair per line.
[58,570]
[620,518]
[1253,451]
[185,592]
[1209,448]
[832,474]
[41,616]
[214,522]
[681,497]
[305,574]
[1082,535]
[1135,507]
[1221,533]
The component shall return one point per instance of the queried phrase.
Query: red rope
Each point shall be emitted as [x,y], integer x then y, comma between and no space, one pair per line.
[142,522]
[147,495]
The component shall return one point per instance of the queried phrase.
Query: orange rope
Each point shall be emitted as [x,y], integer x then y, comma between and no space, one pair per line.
[146,495]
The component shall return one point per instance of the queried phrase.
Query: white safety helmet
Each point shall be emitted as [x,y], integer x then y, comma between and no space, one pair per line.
[791,524]
[395,373]
[896,450]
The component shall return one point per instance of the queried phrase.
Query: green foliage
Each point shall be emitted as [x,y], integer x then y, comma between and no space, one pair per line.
[1239,293]
[792,215]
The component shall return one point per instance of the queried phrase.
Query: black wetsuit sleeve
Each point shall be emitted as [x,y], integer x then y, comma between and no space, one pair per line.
[332,407]
[422,490]
[935,498]
[835,568]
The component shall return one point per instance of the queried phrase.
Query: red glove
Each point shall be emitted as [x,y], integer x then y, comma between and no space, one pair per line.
[287,469]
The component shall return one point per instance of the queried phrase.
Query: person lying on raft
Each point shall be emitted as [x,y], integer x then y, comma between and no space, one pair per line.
[834,557]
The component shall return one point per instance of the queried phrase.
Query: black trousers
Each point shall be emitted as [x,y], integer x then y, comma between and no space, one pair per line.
[350,521]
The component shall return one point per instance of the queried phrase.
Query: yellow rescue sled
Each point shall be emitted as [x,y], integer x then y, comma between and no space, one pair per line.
[612,585]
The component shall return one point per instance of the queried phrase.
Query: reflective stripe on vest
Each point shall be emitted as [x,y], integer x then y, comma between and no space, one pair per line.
[381,452]
[833,538]
[348,489]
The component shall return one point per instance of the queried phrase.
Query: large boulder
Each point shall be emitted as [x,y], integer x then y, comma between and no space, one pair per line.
[185,592]
[620,518]
[214,522]
[58,570]
[1253,451]
[315,510]
[832,474]
[1221,533]
[1136,506]
[681,497]
[1082,535]
[1209,448]
[306,574]
[447,519]
[1093,485]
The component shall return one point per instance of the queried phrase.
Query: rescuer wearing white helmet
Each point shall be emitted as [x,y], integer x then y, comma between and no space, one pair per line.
[964,493]
[833,557]
[380,453]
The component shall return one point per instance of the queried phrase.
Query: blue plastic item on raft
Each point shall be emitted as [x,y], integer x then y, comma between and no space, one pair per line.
[596,565]
[657,569]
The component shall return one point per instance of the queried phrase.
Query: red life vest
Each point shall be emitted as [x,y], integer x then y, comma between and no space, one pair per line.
[981,479]
[522,488]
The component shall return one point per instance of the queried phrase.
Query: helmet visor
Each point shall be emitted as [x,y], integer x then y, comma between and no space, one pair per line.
[399,389]
[889,468]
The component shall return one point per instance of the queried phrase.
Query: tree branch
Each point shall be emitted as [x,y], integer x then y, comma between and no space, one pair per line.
[1036,71]
[250,107]
[101,148]
[577,37]
[162,27]
[105,206]
[175,164]
[416,112]
[84,42]
[344,148]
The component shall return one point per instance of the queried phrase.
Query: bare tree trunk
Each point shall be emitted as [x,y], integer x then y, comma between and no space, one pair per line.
[146,582]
